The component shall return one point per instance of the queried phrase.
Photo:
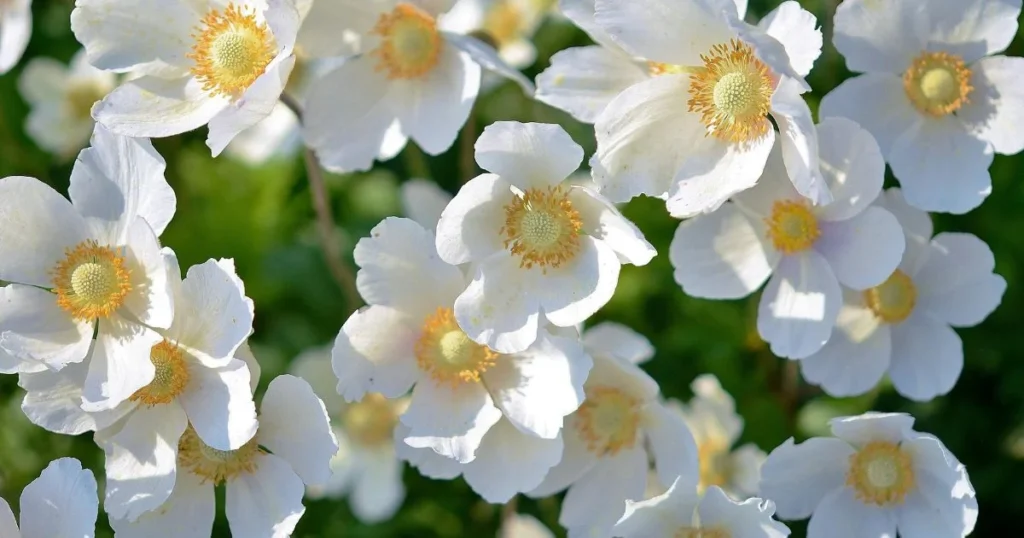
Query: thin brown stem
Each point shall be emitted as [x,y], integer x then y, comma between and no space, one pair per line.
[329,241]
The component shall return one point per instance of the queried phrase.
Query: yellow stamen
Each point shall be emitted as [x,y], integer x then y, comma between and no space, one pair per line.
[542,227]
[893,300]
[715,462]
[504,22]
[608,420]
[447,353]
[370,422]
[171,378]
[410,42]
[732,93]
[938,83]
[881,473]
[92,281]
[80,98]
[231,51]
[214,465]
[792,226]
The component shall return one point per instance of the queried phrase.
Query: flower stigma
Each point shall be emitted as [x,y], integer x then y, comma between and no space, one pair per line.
[447,354]
[732,92]
[881,473]
[410,42]
[792,226]
[231,51]
[542,228]
[938,83]
[92,281]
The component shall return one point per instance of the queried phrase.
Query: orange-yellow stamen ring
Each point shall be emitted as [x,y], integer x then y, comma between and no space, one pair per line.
[92,281]
[938,83]
[732,93]
[370,422]
[542,227]
[171,377]
[893,300]
[214,465]
[608,420]
[881,473]
[792,226]
[231,51]
[447,354]
[410,42]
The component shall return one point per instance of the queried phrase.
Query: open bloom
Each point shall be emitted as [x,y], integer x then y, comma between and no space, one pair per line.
[683,512]
[61,503]
[542,248]
[15,31]
[609,443]
[91,265]
[61,98]
[366,467]
[903,326]
[409,336]
[416,80]
[265,479]
[876,477]
[807,250]
[202,62]
[508,24]
[699,131]
[934,93]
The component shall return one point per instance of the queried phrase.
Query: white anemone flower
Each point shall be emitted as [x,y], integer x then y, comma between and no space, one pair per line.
[609,443]
[61,98]
[91,265]
[264,480]
[542,247]
[15,31]
[203,62]
[699,132]
[508,24]
[366,467]
[904,326]
[876,477]
[423,201]
[683,512]
[807,250]
[61,503]
[409,336]
[415,80]
[935,92]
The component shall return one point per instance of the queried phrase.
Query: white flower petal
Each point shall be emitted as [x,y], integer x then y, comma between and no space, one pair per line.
[15,32]
[746,469]
[955,283]
[661,515]
[53,401]
[799,142]
[974,28]
[188,513]
[612,339]
[156,107]
[943,485]
[995,111]
[917,229]
[927,358]
[528,155]
[640,137]
[276,136]
[36,226]
[537,388]
[864,250]
[378,491]
[429,463]
[799,306]
[877,102]
[219,404]
[751,518]
[796,477]
[256,104]
[577,461]
[856,356]
[8,526]
[573,292]
[397,260]
[938,517]
[213,314]
[509,462]
[151,299]
[33,327]
[469,226]
[61,502]
[314,365]
[423,201]
[650,28]
[121,34]
[880,36]
[501,306]
[451,420]
[525,526]
[797,30]
[485,56]
[374,353]
[120,364]
[266,503]
[582,14]
[583,80]
[671,444]
[872,426]
[141,460]
[941,167]
[841,515]
[294,425]
[598,499]
[852,166]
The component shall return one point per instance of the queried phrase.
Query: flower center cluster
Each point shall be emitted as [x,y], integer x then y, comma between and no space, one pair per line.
[370,422]
[80,98]
[732,93]
[410,42]
[608,420]
[792,226]
[448,354]
[92,281]
[504,22]
[691,532]
[892,301]
[542,227]
[881,473]
[938,83]
[231,51]
[715,464]
[214,465]
[170,379]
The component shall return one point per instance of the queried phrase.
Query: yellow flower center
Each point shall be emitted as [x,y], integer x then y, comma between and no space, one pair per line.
[410,42]
[691,532]
[715,463]
[231,51]
[92,281]
[370,422]
[792,226]
[881,473]
[80,98]
[170,379]
[214,465]
[448,354]
[608,420]
[938,83]
[542,227]
[892,301]
[504,22]
[732,93]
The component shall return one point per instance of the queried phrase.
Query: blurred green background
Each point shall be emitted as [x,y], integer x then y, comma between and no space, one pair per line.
[263,218]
